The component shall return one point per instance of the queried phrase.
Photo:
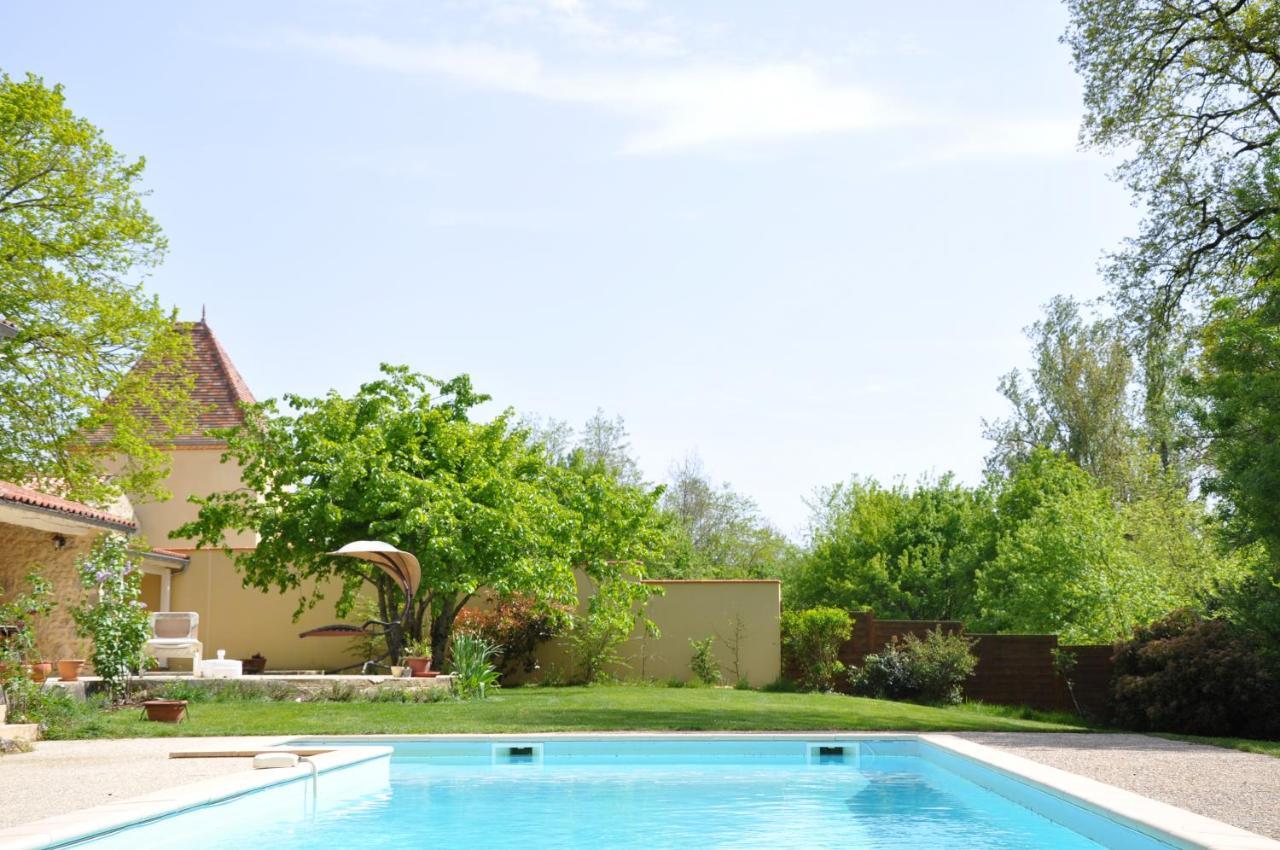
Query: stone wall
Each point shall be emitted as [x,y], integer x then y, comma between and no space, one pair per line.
[25,549]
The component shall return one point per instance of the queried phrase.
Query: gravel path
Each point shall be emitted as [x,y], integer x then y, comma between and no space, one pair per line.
[62,776]
[1242,789]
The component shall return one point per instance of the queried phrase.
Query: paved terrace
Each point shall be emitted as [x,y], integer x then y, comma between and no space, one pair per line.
[1239,788]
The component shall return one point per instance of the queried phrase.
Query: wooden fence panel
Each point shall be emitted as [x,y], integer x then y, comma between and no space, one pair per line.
[1012,669]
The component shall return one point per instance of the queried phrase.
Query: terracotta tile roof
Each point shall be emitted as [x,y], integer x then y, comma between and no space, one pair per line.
[218,389]
[14,494]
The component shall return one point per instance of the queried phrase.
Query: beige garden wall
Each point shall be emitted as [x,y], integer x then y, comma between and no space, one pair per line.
[742,615]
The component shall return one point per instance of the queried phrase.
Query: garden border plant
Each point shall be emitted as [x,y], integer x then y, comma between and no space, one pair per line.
[116,618]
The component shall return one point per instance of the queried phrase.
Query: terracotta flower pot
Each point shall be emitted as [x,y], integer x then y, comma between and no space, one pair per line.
[40,671]
[418,665]
[69,669]
[254,666]
[165,710]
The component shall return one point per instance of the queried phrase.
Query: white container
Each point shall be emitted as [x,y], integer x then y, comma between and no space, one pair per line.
[221,667]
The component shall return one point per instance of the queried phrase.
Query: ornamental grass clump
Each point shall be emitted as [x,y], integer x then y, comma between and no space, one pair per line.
[472,666]
[112,615]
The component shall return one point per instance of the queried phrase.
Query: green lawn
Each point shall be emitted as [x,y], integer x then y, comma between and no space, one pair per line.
[1248,745]
[614,708]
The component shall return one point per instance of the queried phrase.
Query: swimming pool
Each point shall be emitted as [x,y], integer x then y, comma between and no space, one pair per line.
[633,792]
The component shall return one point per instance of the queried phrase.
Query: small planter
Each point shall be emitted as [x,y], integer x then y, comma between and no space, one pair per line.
[426,674]
[40,671]
[419,666]
[254,666]
[165,710]
[69,669]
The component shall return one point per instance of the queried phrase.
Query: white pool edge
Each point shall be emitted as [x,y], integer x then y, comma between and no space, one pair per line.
[88,823]
[1163,821]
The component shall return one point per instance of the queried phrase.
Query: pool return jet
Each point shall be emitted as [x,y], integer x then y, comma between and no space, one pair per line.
[404,569]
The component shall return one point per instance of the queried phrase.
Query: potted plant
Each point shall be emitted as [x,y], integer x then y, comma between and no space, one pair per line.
[69,669]
[254,666]
[165,710]
[418,657]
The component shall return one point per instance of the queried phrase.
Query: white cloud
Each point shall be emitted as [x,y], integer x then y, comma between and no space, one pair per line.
[687,107]
[1003,138]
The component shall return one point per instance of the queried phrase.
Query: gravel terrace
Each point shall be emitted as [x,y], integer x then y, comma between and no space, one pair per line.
[62,776]
[1240,788]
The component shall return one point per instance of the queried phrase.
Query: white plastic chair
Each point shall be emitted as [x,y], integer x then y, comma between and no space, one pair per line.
[175,637]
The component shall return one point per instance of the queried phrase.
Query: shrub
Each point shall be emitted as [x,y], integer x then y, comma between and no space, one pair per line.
[21,611]
[931,670]
[597,637]
[703,664]
[1194,676]
[811,642]
[473,670]
[518,624]
[116,619]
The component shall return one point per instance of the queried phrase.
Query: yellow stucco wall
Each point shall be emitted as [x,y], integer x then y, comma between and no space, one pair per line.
[693,610]
[244,621]
[193,471]
[24,549]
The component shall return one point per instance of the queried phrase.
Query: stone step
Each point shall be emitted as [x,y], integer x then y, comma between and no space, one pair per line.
[20,731]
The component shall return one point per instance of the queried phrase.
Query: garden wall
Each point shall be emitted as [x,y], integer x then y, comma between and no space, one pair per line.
[744,614]
[1012,669]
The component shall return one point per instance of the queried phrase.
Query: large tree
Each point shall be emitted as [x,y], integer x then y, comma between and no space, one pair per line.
[1077,400]
[401,461]
[1238,390]
[1062,564]
[715,532]
[1189,92]
[74,238]
[899,551]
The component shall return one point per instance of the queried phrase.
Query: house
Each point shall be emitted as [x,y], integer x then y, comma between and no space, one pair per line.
[49,534]
[243,621]
[180,576]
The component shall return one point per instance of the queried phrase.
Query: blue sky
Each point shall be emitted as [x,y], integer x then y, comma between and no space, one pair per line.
[799,239]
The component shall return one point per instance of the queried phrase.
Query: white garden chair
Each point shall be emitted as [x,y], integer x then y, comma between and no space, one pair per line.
[174,636]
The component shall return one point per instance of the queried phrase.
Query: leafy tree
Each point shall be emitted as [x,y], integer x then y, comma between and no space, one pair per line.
[899,551]
[1188,90]
[1238,390]
[401,461]
[1061,564]
[1077,401]
[715,532]
[73,236]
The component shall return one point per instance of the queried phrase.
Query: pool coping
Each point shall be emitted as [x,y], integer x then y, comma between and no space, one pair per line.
[1166,822]
[89,823]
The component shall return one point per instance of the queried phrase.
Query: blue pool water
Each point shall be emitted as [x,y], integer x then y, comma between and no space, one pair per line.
[780,793]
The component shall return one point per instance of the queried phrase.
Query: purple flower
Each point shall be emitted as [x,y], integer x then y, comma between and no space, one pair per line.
[102,575]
